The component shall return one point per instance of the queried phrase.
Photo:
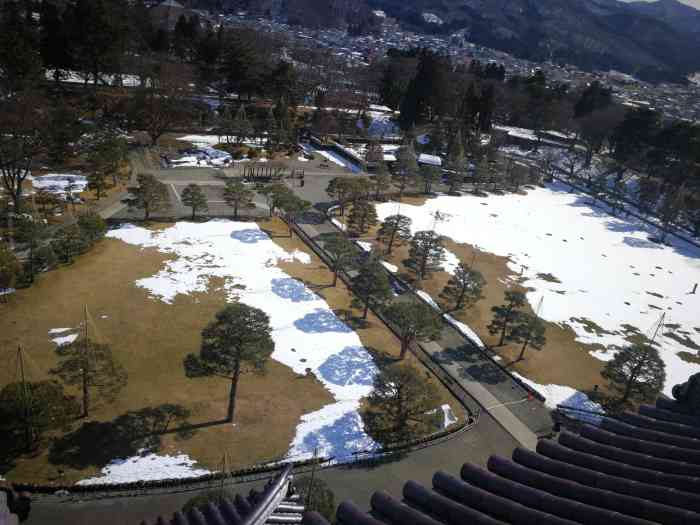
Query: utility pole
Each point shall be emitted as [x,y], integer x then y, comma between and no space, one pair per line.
[86,349]
[313,475]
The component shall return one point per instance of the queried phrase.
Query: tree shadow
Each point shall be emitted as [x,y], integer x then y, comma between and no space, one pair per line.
[97,443]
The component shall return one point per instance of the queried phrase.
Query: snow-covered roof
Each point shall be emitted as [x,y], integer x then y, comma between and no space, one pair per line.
[432,160]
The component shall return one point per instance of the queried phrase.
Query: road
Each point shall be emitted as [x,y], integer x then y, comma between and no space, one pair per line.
[355,483]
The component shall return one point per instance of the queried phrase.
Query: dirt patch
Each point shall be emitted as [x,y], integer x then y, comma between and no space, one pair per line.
[151,339]
[690,358]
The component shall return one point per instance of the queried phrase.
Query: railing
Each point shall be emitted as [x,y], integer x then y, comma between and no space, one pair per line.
[406,286]
[271,499]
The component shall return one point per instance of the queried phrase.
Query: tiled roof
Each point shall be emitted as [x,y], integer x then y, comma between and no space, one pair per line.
[275,504]
[637,468]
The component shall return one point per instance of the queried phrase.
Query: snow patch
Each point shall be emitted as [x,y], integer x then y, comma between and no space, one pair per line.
[147,467]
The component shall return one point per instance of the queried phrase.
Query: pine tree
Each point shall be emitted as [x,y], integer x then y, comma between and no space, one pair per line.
[92,226]
[636,373]
[237,341]
[426,253]
[430,175]
[10,267]
[395,230]
[371,283]
[92,367]
[505,314]
[193,197]
[529,330]
[150,195]
[236,194]
[413,321]
[399,405]
[97,183]
[69,242]
[340,189]
[407,168]
[363,216]
[340,250]
[464,288]
[381,181]
[29,410]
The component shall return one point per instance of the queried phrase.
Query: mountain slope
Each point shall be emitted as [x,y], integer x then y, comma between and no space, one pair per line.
[645,40]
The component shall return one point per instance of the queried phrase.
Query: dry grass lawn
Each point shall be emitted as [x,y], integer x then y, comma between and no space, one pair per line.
[151,338]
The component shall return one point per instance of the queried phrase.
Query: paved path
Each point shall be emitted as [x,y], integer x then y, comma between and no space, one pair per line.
[355,483]
[490,388]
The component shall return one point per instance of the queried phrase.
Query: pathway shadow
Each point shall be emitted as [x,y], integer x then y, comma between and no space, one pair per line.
[311,217]
[97,443]
[470,365]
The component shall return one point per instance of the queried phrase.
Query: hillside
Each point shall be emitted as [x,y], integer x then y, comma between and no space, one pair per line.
[651,41]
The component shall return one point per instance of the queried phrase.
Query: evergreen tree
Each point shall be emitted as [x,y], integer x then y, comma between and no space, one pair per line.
[594,97]
[292,207]
[97,182]
[150,195]
[92,226]
[275,194]
[381,181]
[63,130]
[505,314]
[363,216]
[20,56]
[10,267]
[464,288]
[340,189]
[193,197]
[236,194]
[29,410]
[636,373]
[316,495]
[399,403]
[340,250]
[395,230]
[237,341]
[529,330]
[407,168]
[430,175]
[413,321]
[68,243]
[426,253]
[92,367]
[371,283]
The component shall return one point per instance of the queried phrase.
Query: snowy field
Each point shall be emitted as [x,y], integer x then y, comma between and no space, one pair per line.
[306,332]
[608,271]
[61,184]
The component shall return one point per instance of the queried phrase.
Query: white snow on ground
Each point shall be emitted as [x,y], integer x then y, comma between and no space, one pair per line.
[392,268]
[336,159]
[566,396]
[610,272]
[60,183]
[61,337]
[64,340]
[145,468]
[213,140]
[465,330]
[426,297]
[338,224]
[450,262]
[306,332]
[203,156]
[364,245]
[449,416]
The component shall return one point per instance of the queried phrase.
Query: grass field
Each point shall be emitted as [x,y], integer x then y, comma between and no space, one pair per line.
[150,338]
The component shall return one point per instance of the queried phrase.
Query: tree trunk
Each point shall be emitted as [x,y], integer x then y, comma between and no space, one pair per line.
[232,392]
[364,314]
[506,320]
[404,347]
[193,212]
[391,241]
[522,350]
[235,210]
[335,274]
